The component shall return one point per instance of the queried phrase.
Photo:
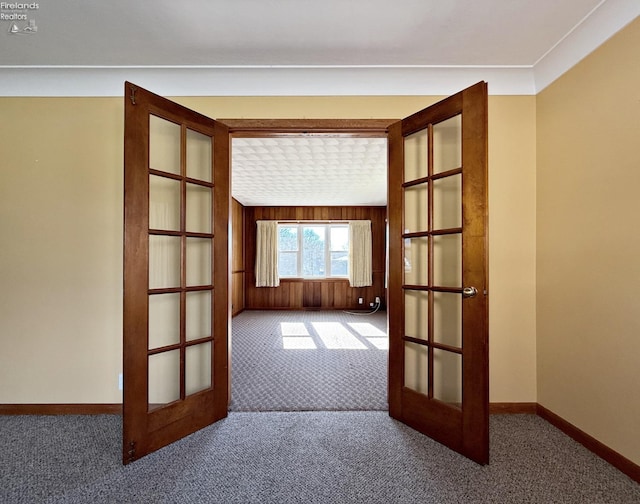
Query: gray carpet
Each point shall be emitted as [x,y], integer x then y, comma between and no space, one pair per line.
[313,457]
[308,360]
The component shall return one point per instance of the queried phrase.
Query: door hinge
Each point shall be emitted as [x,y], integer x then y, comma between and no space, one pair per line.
[131,454]
[132,97]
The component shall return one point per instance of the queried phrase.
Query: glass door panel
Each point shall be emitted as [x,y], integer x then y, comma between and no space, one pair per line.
[447,377]
[447,202]
[416,209]
[447,145]
[416,313]
[164,262]
[447,318]
[415,155]
[416,367]
[199,156]
[164,378]
[199,210]
[198,265]
[416,256]
[447,260]
[164,320]
[164,203]
[197,368]
[164,145]
[198,315]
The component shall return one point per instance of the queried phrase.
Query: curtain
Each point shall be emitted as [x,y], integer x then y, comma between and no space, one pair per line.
[360,267]
[267,254]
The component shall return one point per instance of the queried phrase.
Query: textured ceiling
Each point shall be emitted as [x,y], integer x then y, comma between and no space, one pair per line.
[311,170]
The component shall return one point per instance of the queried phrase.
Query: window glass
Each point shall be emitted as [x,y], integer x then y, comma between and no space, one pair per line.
[314,262]
[339,250]
[313,250]
[288,237]
[288,251]
[288,264]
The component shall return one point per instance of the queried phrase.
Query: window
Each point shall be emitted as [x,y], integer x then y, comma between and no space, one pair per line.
[313,250]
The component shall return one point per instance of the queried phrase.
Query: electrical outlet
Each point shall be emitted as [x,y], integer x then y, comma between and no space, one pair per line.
[360,300]
[120,381]
[377,300]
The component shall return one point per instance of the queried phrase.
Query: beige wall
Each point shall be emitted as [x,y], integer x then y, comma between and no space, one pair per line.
[512,245]
[61,237]
[60,250]
[588,272]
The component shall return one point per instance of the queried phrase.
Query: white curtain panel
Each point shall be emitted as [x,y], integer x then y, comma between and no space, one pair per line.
[267,254]
[360,255]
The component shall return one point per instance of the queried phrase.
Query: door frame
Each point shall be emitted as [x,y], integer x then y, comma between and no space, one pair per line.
[287,127]
[260,128]
[281,127]
[274,128]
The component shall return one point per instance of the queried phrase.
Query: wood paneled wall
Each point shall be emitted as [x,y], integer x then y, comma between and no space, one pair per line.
[314,294]
[237,258]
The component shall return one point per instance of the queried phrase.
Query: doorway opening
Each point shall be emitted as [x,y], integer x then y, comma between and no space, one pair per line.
[308,173]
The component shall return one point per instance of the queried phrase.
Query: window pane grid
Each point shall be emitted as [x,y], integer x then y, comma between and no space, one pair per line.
[180,230]
[313,250]
[432,213]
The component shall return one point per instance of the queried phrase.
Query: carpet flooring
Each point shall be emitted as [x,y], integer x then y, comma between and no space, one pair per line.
[308,361]
[299,457]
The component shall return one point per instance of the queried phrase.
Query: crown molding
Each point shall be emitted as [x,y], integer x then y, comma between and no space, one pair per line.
[604,21]
[263,81]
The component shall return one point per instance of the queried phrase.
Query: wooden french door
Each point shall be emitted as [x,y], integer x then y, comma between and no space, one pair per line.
[437,291]
[176,272]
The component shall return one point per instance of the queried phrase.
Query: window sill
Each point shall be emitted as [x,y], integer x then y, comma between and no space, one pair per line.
[302,279]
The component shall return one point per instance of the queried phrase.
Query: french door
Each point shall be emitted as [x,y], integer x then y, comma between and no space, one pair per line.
[437,290]
[176,272]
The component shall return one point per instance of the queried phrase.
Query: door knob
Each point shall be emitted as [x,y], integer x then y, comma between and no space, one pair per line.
[469,292]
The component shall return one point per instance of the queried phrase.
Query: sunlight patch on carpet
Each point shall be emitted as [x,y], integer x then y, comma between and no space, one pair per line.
[336,336]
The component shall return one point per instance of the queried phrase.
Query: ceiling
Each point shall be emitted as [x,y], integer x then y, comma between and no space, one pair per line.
[309,171]
[296,32]
[304,48]
[298,47]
